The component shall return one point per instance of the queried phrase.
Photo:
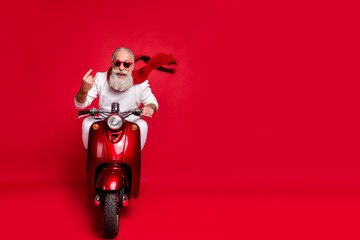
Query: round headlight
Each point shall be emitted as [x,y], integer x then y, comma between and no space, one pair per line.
[114,121]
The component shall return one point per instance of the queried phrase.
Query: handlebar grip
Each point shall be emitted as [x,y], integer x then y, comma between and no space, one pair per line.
[83,112]
[137,112]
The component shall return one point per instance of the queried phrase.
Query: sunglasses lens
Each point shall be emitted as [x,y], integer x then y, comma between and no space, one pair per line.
[118,63]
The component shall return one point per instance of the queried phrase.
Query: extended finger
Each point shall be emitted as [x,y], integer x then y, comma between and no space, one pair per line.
[87,74]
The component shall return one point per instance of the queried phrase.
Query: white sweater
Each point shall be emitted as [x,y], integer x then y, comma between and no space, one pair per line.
[129,99]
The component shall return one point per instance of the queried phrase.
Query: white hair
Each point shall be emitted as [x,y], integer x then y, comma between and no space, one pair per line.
[123,49]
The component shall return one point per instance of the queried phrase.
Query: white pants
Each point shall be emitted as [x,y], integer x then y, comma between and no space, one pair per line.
[89,121]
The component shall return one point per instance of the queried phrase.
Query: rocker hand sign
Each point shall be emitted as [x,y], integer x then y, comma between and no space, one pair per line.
[87,81]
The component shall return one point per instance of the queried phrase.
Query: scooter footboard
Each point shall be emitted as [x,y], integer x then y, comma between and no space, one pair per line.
[112,178]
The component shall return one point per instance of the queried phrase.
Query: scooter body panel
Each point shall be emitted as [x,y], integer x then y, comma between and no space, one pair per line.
[114,146]
[95,156]
[132,156]
[103,150]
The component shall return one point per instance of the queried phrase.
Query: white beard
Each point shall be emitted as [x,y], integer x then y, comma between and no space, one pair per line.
[120,84]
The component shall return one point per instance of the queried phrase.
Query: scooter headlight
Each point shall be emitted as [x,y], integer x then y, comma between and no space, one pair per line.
[115,121]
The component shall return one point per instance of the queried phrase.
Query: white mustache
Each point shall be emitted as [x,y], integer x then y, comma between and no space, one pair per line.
[120,71]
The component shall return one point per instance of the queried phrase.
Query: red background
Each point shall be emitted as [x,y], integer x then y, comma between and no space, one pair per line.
[256,136]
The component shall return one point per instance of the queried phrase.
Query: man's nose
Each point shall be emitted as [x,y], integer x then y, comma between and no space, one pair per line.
[121,67]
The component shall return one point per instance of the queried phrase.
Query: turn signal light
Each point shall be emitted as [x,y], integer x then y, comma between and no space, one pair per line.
[97,200]
[125,201]
[95,126]
[134,127]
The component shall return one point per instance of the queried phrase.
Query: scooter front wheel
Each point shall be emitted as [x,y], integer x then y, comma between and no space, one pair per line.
[111,214]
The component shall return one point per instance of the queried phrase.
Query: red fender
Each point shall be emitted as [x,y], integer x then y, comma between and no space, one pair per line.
[112,178]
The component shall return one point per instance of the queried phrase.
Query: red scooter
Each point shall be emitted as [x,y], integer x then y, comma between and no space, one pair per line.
[113,162]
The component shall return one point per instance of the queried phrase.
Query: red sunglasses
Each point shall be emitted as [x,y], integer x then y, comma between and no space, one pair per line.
[117,63]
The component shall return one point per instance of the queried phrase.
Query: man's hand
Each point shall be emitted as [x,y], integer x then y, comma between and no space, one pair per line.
[149,109]
[87,81]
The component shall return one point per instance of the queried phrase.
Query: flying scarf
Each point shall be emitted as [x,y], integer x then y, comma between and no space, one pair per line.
[155,62]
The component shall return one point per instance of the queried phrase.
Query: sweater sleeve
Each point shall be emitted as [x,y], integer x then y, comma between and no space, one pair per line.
[147,96]
[92,94]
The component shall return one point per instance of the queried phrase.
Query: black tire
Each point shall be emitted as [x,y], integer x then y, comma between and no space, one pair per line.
[111,214]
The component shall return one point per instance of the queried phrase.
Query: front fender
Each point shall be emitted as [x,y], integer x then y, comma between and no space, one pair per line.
[112,178]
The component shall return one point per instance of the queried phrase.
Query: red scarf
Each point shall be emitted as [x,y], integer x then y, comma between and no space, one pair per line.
[155,62]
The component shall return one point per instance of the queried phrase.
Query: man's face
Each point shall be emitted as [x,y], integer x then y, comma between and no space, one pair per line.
[123,56]
[121,78]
